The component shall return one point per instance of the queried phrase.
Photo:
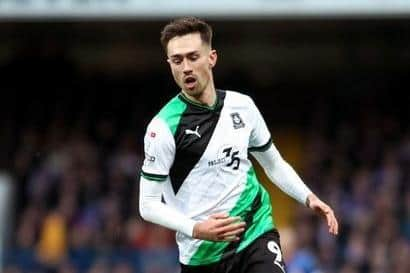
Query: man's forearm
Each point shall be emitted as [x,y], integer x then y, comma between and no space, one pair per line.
[153,210]
[282,174]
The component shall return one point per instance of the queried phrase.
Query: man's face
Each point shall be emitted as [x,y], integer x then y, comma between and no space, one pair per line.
[191,63]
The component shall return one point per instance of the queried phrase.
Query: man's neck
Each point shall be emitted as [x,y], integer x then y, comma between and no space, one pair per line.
[208,97]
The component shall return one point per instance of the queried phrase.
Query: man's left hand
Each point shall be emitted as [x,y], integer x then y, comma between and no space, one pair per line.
[323,209]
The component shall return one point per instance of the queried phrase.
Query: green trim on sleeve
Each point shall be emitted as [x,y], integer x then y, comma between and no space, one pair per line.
[154,177]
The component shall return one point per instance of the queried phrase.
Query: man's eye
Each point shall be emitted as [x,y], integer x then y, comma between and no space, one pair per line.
[176,61]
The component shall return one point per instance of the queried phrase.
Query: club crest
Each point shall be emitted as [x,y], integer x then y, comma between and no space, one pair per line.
[237,120]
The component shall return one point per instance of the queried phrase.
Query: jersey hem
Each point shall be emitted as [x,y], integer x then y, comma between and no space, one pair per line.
[217,259]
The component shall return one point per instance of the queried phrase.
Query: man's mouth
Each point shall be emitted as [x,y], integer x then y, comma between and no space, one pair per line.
[190,82]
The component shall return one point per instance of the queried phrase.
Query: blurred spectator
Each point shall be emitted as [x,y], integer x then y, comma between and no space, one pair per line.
[298,252]
[53,239]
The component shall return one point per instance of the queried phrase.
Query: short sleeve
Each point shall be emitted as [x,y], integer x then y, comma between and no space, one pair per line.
[260,138]
[159,149]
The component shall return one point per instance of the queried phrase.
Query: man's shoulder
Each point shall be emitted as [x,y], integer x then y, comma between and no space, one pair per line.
[238,98]
[156,124]
[172,107]
[169,115]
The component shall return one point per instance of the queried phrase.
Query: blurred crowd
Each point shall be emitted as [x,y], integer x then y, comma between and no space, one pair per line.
[363,170]
[76,200]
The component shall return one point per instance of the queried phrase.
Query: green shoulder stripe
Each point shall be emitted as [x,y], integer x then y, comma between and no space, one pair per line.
[171,113]
[154,177]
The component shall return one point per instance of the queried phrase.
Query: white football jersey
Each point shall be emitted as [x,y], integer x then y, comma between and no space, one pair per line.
[201,154]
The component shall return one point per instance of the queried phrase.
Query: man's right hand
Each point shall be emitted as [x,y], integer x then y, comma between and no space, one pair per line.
[219,227]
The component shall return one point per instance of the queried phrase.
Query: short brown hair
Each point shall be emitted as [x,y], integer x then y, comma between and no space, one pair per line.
[183,26]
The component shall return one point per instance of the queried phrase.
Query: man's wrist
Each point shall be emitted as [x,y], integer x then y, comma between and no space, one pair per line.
[189,228]
[308,199]
[195,230]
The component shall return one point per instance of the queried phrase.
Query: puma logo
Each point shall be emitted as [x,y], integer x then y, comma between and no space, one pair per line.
[191,132]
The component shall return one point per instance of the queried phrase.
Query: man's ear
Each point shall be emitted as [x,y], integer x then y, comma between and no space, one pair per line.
[213,57]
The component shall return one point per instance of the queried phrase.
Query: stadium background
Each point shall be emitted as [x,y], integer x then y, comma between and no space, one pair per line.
[78,93]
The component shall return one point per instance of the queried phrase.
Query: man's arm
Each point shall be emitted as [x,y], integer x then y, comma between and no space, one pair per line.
[153,210]
[280,172]
[285,177]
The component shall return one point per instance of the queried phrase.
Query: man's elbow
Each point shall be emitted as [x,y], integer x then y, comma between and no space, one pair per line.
[144,212]
[149,210]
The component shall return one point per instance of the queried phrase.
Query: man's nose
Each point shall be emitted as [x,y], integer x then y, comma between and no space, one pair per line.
[186,66]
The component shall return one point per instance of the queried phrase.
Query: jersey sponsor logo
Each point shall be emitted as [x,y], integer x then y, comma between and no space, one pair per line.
[234,160]
[275,249]
[216,161]
[192,132]
[237,120]
[228,155]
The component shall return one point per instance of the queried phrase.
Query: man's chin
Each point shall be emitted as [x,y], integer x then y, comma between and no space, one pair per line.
[194,92]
